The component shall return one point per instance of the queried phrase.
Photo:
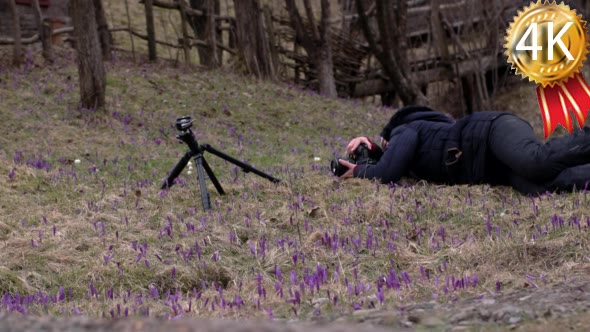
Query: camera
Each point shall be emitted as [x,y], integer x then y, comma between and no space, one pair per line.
[362,155]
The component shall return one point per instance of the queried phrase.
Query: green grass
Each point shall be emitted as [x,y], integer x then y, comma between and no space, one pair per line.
[60,219]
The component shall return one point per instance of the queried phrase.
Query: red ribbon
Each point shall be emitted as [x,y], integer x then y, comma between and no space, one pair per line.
[556,101]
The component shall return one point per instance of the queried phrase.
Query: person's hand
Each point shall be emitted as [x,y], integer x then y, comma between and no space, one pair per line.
[355,142]
[350,172]
[383,144]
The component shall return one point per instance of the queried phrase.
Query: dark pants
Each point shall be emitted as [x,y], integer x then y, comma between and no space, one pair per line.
[570,179]
[513,142]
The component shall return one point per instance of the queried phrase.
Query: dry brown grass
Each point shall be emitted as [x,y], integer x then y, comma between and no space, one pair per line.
[56,228]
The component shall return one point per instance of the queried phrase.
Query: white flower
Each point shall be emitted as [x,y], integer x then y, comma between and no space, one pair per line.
[77,161]
[317,158]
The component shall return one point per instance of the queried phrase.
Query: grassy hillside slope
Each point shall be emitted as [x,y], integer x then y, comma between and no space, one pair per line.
[85,229]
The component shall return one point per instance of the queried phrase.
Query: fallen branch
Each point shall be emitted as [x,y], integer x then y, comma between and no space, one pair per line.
[35,38]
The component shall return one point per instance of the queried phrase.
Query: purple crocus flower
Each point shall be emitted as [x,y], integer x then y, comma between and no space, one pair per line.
[278,273]
[92,290]
[279,288]
[269,312]
[154,292]
[380,295]
[422,273]
[441,232]
[238,301]
[406,278]
[107,258]
[61,296]
[543,278]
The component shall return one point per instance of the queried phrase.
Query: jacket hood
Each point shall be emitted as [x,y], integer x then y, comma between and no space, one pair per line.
[414,113]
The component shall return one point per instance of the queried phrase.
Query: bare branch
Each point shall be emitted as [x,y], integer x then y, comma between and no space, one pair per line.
[376,49]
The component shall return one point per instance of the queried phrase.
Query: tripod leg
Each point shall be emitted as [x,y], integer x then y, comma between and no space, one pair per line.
[213,177]
[169,182]
[202,185]
[245,167]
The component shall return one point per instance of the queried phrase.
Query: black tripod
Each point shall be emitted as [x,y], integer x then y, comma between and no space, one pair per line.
[196,151]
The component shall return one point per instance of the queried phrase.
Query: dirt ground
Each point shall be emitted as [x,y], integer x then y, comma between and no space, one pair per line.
[563,305]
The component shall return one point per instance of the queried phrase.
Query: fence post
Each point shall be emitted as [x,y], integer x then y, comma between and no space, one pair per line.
[130,29]
[185,39]
[438,32]
[151,34]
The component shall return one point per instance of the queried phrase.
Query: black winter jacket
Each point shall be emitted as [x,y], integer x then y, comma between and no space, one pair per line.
[419,139]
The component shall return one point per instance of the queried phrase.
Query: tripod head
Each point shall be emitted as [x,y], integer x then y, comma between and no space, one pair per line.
[184,123]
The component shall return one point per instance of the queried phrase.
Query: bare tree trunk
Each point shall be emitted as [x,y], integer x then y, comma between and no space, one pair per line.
[90,66]
[17,50]
[400,31]
[104,36]
[215,24]
[391,49]
[44,32]
[151,34]
[201,26]
[316,42]
[253,43]
[325,63]
[212,36]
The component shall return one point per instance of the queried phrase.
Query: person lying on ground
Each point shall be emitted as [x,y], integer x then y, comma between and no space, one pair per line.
[497,148]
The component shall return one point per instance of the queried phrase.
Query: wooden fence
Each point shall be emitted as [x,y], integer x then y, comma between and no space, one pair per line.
[460,40]
[447,40]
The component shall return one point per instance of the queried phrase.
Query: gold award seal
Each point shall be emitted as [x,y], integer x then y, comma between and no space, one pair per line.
[548,43]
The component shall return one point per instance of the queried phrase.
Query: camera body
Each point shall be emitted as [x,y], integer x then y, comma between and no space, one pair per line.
[362,155]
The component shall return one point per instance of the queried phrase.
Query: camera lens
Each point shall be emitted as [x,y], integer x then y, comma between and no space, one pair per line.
[337,168]
[334,166]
